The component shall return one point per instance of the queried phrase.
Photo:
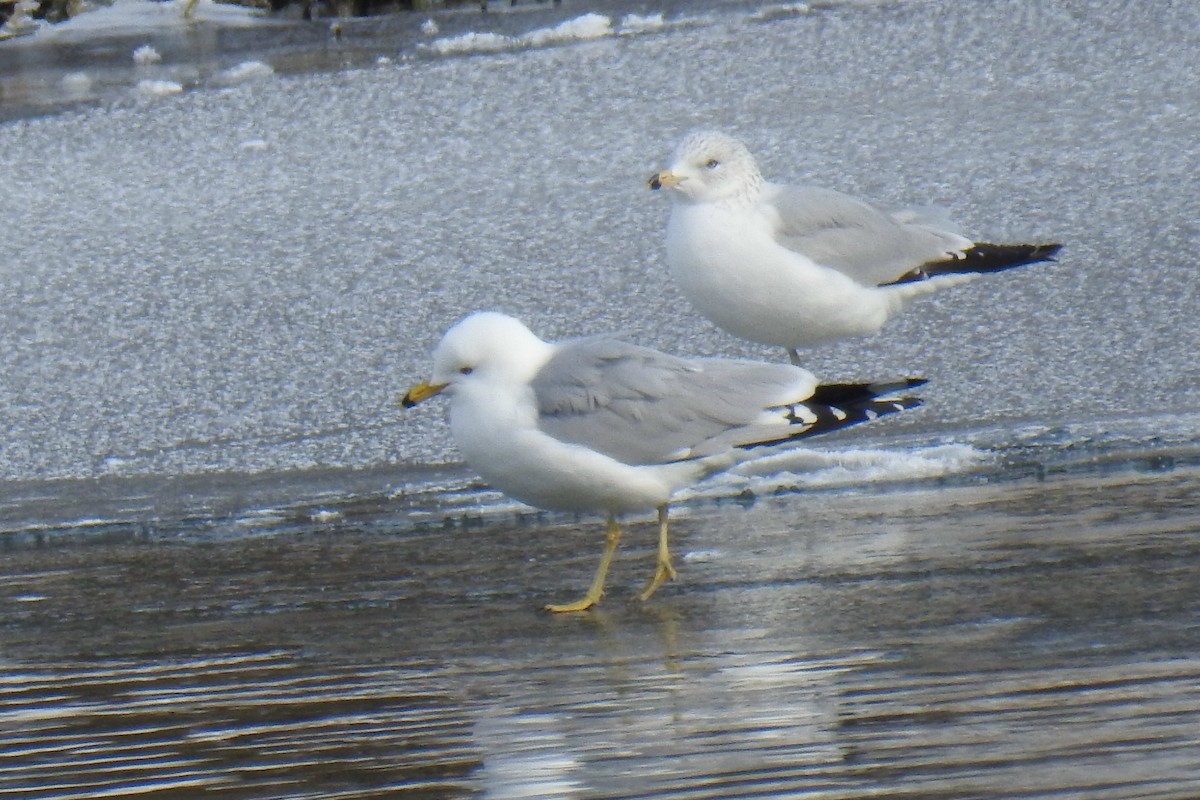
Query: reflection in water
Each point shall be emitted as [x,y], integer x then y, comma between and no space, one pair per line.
[264,725]
[1038,641]
[528,756]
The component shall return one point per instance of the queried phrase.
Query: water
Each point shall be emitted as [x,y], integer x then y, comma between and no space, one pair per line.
[233,565]
[1015,639]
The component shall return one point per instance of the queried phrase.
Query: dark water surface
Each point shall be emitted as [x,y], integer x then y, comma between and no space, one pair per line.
[1030,638]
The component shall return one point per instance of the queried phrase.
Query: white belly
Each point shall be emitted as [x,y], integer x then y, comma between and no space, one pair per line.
[733,273]
[532,467]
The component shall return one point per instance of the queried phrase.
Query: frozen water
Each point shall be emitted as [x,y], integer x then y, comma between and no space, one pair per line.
[588,26]
[641,23]
[146,55]
[247,71]
[156,88]
[243,278]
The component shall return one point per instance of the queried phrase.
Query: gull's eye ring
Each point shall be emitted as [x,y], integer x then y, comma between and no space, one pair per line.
[465,370]
[713,163]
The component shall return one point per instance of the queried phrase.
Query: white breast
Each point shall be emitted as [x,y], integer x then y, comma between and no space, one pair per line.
[730,268]
[499,438]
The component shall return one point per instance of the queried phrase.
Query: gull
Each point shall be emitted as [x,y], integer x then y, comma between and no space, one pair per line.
[601,425]
[797,265]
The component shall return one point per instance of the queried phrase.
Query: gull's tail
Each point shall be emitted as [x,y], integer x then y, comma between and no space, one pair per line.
[834,406]
[980,258]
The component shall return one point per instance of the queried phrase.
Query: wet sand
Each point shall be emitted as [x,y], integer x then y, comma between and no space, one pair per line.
[1029,638]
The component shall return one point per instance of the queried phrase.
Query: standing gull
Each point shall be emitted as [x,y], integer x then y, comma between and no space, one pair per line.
[797,265]
[600,425]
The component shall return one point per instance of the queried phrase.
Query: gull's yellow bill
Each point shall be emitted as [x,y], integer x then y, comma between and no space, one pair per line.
[665,178]
[419,392]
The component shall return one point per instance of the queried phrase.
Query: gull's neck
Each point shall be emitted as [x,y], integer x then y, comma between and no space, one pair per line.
[747,194]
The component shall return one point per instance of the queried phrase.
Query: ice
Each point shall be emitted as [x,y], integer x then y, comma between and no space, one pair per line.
[473,43]
[77,84]
[588,26]
[820,467]
[638,23]
[772,10]
[146,55]
[245,280]
[158,88]
[245,72]
[583,28]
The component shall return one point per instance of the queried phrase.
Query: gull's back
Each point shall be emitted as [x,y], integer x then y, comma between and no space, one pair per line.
[643,407]
[854,237]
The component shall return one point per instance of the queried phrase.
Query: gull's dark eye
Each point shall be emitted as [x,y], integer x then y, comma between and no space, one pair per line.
[713,163]
[465,370]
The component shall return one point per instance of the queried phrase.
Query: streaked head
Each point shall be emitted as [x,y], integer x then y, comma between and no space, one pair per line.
[708,166]
[484,347]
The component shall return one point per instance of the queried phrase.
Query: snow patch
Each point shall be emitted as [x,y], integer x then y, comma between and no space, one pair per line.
[77,84]
[802,468]
[146,55]
[245,72]
[149,88]
[472,43]
[636,23]
[586,27]
[589,26]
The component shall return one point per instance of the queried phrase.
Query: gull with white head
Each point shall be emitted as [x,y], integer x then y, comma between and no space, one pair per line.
[798,265]
[601,425]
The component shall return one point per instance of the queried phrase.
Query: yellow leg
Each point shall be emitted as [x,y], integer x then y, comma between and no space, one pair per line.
[611,540]
[663,571]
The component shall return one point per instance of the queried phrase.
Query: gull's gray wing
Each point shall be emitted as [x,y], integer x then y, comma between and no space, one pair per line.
[854,237]
[641,406]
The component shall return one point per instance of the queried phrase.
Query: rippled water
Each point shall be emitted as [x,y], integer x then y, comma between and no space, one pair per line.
[1040,643]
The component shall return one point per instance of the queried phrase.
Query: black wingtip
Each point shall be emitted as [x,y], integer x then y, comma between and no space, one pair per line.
[834,406]
[982,257]
[844,395]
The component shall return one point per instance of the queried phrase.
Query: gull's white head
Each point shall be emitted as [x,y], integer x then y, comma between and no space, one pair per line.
[485,348]
[707,167]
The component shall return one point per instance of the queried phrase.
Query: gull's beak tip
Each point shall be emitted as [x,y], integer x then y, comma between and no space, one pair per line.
[421,391]
[665,178]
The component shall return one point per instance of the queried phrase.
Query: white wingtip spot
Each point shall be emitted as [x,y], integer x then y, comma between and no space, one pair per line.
[804,414]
